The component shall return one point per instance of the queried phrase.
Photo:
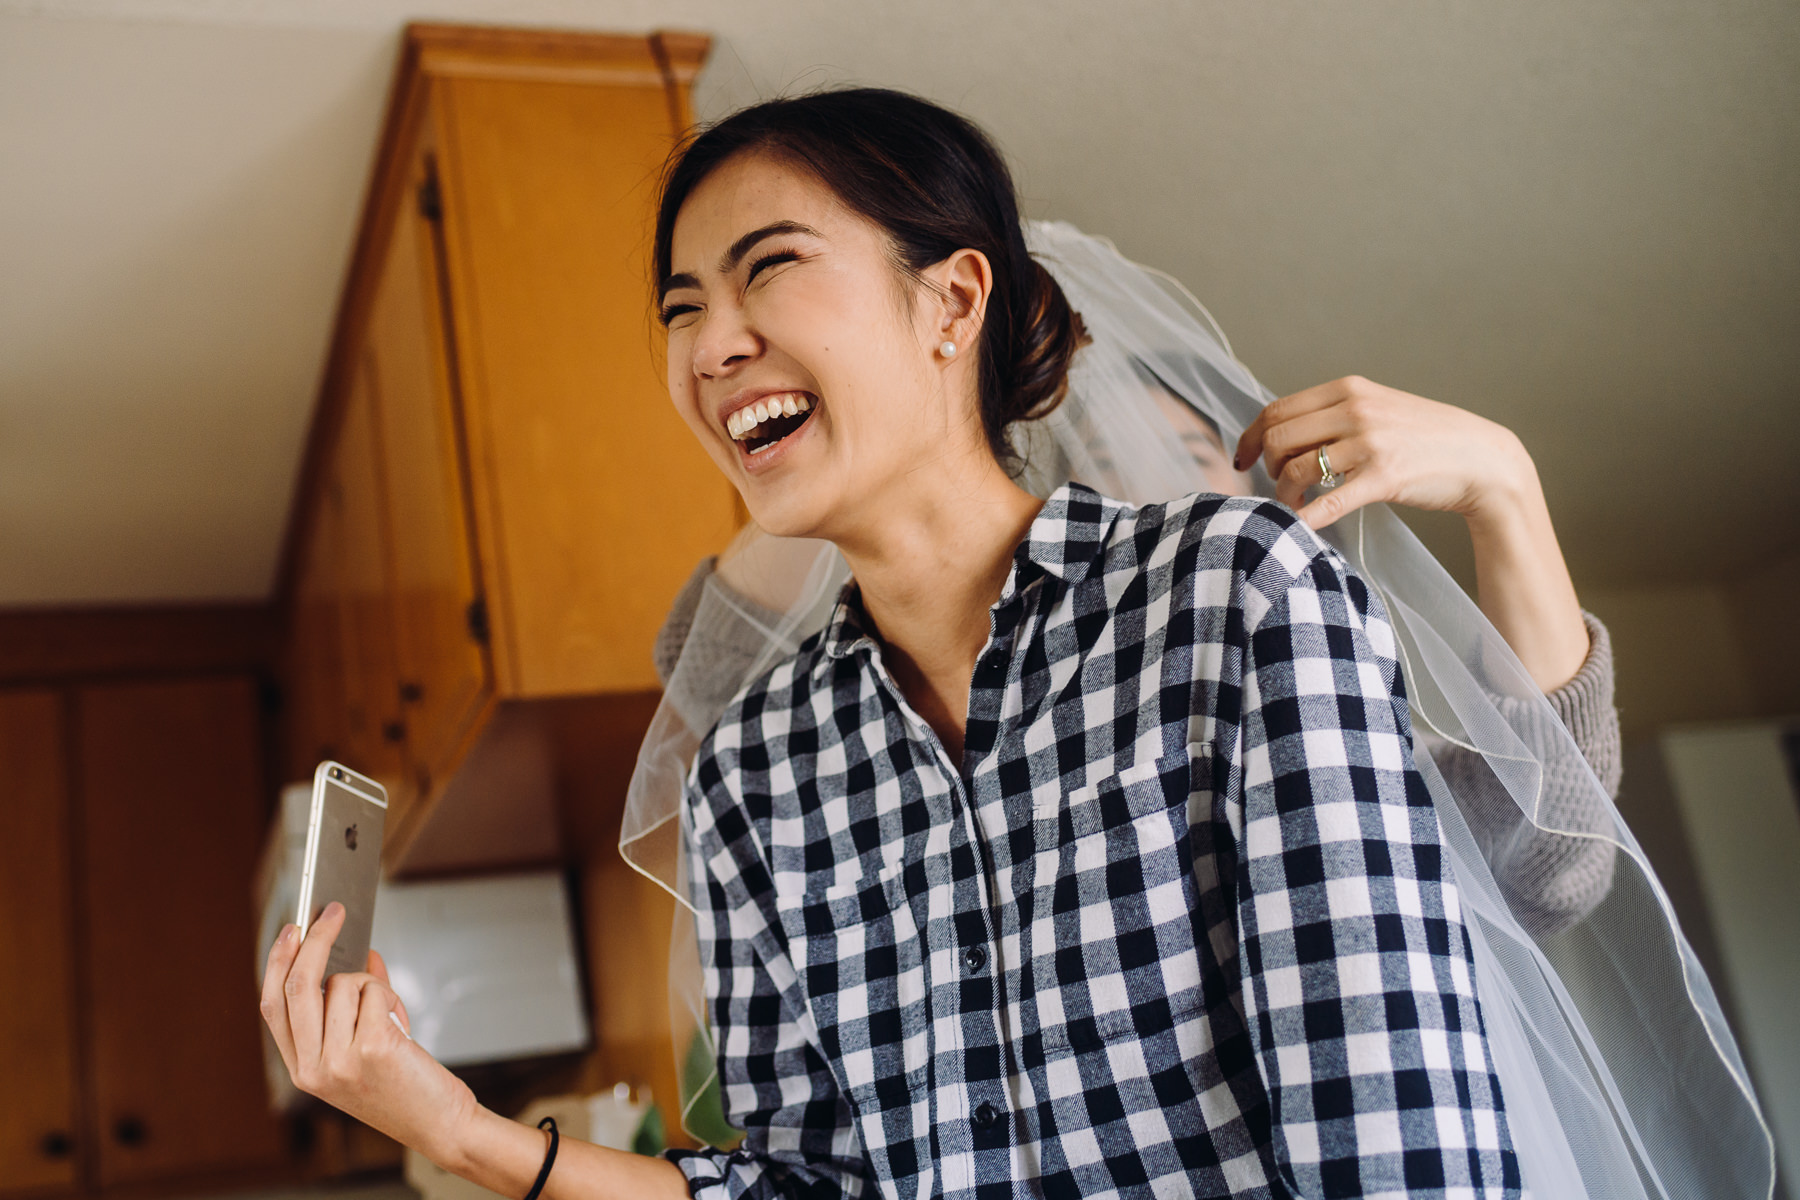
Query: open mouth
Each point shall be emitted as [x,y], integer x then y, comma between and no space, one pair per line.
[760,426]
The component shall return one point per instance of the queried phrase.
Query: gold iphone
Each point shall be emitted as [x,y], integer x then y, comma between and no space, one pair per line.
[343,860]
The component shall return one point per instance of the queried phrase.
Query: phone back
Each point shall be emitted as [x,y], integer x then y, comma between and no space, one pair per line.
[343,860]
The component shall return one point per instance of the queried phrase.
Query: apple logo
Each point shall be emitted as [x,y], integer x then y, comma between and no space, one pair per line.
[350,837]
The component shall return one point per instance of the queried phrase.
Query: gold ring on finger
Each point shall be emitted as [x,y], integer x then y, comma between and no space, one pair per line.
[1327,477]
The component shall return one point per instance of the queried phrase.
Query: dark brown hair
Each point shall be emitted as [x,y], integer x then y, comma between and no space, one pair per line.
[936,184]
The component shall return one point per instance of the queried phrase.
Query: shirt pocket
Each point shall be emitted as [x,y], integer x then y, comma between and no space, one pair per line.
[1115,914]
[860,958]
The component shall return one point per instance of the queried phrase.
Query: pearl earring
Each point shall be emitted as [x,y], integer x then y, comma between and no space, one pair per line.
[948,349]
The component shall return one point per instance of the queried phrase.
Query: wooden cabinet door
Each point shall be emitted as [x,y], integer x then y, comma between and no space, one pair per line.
[374,734]
[172,815]
[38,1135]
[594,498]
[443,667]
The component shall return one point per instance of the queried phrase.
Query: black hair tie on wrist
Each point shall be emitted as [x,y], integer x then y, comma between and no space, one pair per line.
[549,1159]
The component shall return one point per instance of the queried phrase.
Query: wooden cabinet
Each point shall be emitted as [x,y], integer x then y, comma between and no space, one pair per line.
[134,814]
[499,501]
[172,820]
[38,1118]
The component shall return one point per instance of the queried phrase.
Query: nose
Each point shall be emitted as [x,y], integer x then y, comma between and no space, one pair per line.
[724,343]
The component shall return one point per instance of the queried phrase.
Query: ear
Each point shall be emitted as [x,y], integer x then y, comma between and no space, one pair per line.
[963,282]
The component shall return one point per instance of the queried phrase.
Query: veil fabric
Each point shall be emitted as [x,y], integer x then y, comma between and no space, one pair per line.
[1619,1075]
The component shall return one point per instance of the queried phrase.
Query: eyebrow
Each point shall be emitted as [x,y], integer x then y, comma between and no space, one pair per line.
[728,262]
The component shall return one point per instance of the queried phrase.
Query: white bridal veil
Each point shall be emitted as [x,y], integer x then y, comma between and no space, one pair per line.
[1619,1075]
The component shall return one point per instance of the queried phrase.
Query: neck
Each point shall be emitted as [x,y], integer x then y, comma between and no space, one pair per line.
[929,569]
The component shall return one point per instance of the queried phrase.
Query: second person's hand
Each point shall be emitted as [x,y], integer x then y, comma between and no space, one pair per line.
[1389,446]
[1400,448]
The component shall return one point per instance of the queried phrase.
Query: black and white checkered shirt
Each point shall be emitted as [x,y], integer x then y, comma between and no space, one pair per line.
[1180,924]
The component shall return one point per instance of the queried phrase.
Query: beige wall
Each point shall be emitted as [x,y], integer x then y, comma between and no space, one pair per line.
[1765,615]
[1719,650]
[1690,657]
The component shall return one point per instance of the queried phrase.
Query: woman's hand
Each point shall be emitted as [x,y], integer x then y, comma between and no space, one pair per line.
[349,1043]
[1390,446]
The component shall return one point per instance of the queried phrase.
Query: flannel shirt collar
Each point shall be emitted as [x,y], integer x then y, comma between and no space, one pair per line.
[1066,541]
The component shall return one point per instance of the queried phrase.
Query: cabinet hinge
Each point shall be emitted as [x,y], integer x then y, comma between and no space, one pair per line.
[431,201]
[478,620]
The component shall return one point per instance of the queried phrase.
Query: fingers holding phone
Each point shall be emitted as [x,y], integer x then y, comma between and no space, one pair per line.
[274,993]
[346,1039]
[304,992]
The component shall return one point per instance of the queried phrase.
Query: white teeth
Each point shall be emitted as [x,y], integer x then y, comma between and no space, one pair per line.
[742,423]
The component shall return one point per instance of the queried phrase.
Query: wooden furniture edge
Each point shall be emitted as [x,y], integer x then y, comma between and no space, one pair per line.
[546,45]
[680,56]
[466,369]
[405,103]
[398,842]
[681,52]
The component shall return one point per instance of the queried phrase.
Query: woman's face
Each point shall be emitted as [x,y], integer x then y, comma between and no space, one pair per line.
[1202,441]
[795,356]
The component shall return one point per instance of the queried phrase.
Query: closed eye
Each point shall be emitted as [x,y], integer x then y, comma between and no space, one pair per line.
[670,312]
[773,258]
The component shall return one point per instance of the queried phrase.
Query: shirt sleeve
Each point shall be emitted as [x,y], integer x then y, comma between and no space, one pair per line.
[800,1138]
[1357,975]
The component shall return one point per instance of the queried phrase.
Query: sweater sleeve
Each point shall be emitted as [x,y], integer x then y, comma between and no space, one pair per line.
[1585,705]
[674,632]
[1551,880]
[715,635]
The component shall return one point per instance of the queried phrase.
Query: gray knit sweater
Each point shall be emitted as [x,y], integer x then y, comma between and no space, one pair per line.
[1550,880]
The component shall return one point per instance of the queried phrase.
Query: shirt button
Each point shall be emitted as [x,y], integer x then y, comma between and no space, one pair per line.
[985,1116]
[975,958]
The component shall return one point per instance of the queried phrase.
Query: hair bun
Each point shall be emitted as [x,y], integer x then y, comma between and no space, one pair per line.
[1047,335]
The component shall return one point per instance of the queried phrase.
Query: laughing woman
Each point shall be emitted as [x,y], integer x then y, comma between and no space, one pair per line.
[1083,852]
